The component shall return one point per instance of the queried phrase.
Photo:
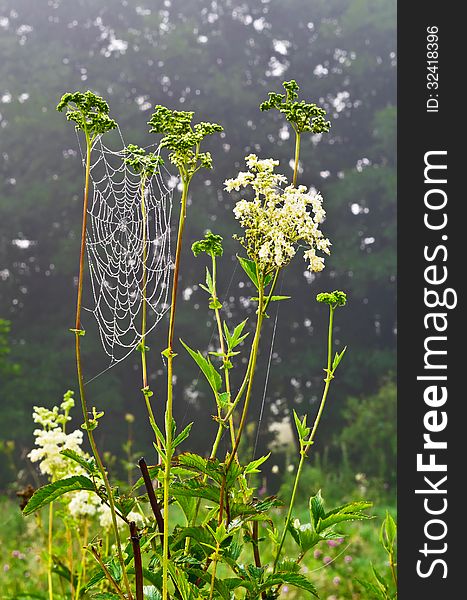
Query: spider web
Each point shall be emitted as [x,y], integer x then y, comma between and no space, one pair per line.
[117,236]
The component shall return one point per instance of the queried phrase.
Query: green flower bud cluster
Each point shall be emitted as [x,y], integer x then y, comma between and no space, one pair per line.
[183,139]
[89,112]
[212,245]
[334,299]
[301,115]
[145,164]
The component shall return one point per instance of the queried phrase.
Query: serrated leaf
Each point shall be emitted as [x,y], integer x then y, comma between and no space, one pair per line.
[150,592]
[375,591]
[317,511]
[206,366]
[50,492]
[250,269]
[295,579]
[346,512]
[182,436]
[252,467]
[188,504]
[380,580]
[88,464]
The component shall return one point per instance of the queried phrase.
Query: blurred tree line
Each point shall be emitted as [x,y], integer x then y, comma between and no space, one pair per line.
[219,59]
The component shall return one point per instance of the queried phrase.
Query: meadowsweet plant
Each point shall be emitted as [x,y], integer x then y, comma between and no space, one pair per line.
[217,549]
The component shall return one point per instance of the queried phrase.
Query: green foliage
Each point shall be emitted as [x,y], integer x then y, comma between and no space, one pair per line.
[50,492]
[88,111]
[250,268]
[206,366]
[384,587]
[183,139]
[369,434]
[143,163]
[301,115]
[334,299]
[211,244]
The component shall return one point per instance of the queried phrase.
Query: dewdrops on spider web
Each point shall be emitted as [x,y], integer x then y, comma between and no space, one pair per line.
[128,248]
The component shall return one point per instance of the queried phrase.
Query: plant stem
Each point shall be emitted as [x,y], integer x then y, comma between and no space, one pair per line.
[168,412]
[152,497]
[82,566]
[392,566]
[254,355]
[138,562]
[297,156]
[69,543]
[214,568]
[222,345]
[304,447]
[106,571]
[78,334]
[144,301]
[49,550]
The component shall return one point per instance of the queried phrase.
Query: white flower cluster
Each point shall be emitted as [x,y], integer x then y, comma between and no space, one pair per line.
[277,219]
[50,441]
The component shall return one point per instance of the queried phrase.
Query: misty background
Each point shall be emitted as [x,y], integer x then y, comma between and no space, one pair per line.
[218,59]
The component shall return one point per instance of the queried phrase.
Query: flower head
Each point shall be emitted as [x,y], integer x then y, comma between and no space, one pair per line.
[334,299]
[279,217]
[211,244]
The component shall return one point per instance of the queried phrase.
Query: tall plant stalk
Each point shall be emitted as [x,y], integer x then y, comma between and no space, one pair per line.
[144,309]
[49,551]
[297,158]
[306,444]
[169,404]
[88,425]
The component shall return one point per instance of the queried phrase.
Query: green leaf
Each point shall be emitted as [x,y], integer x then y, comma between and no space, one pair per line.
[380,580]
[153,473]
[375,592]
[159,435]
[346,512]
[183,435]
[249,267]
[388,533]
[188,504]
[273,298]
[209,282]
[206,366]
[150,592]
[52,491]
[88,464]
[214,304]
[235,338]
[252,467]
[224,399]
[317,511]
[295,579]
[180,580]
[337,359]
[103,596]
